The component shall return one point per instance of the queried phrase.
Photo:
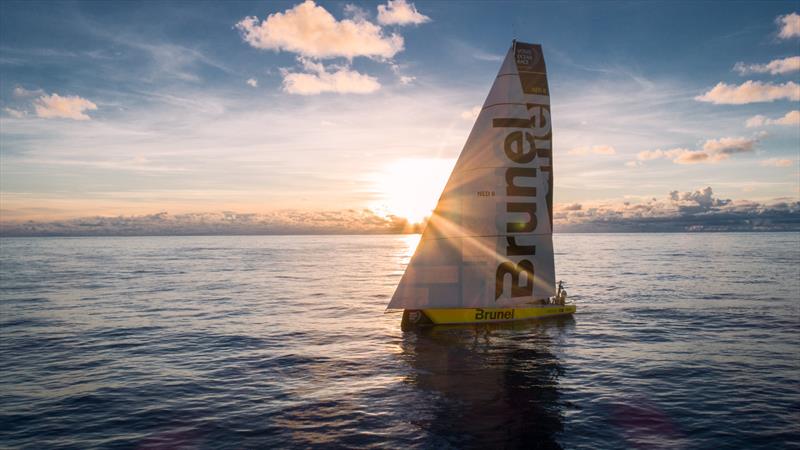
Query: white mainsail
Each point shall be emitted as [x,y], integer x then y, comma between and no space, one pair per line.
[489,241]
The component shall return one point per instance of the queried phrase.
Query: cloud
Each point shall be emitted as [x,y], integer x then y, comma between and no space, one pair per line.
[698,210]
[15,113]
[69,107]
[700,200]
[318,80]
[776,162]
[791,118]
[346,221]
[750,92]
[729,146]
[471,114]
[650,154]
[354,12]
[399,12]
[310,30]
[713,151]
[406,79]
[398,71]
[774,67]
[683,156]
[20,91]
[596,150]
[756,121]
[252,82]
[789,25]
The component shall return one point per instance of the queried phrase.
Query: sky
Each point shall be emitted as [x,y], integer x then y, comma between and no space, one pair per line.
[183,117]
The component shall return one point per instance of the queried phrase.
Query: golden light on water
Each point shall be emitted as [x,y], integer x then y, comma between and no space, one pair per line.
[411,241]
[410,188]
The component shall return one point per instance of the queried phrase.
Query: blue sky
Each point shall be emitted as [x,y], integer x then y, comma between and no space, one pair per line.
[133,109]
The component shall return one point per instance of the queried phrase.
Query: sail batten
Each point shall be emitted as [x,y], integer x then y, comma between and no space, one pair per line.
[488,243]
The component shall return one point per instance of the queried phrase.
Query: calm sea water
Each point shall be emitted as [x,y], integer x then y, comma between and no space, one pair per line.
[680,341]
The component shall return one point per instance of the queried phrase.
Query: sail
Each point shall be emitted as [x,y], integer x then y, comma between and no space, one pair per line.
[489,241]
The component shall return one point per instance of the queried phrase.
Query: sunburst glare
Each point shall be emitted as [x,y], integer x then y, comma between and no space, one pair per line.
[410,188]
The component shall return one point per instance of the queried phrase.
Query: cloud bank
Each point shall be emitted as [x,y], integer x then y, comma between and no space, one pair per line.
[698,210]
[349,221]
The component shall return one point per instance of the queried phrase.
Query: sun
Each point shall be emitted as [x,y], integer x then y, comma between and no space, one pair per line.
[410,188]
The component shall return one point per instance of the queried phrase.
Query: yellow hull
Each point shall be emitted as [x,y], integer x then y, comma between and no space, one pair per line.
[423,317]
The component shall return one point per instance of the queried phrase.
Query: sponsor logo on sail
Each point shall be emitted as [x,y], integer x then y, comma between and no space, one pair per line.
[527,139]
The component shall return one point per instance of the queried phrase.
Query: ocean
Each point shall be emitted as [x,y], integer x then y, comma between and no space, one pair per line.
[687,341]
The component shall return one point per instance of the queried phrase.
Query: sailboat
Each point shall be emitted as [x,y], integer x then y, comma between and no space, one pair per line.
[486,254]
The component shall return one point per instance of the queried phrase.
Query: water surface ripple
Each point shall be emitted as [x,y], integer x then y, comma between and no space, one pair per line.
[680,341]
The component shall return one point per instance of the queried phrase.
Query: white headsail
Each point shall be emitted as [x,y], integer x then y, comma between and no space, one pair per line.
[489,240]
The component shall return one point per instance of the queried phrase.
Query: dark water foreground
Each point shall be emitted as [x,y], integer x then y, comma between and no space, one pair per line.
[681,341]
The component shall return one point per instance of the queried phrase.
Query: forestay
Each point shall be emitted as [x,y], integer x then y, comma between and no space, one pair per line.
[489,241]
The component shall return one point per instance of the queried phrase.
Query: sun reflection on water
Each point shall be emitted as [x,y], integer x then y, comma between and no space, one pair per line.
[411,241]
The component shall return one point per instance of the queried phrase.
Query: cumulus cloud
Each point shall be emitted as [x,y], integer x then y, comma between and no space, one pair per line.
[697,210]
[252,82]
[596,150]
[400,12]
[776,162]
[713,151]
[696,201]
[750,92]
[774,67]
[317,79]
[68,107]
[310,30]
[471,114]
[789,25]
[791,118]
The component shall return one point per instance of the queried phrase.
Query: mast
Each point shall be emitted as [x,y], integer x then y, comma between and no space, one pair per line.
[489,241]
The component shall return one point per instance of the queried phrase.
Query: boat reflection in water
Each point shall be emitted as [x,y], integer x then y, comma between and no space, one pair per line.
[488,385]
